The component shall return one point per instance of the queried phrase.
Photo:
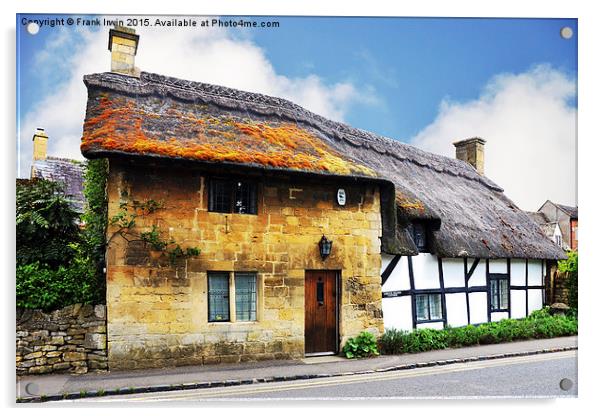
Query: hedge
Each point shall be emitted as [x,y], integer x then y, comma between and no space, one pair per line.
[540,324]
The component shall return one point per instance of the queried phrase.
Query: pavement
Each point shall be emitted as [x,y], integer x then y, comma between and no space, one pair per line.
[71,386]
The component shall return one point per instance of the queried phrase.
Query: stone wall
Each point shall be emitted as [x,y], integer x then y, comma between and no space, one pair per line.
[72,339]
[158,312]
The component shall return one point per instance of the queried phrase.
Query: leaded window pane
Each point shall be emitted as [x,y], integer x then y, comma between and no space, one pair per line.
[220,196]
[246,296]
[422,312]
[219,297]
[494,295]
[420,236]
[435,306]
[503,293]
[246,198]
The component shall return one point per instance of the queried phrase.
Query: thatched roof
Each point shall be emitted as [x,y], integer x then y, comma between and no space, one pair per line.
[157,116]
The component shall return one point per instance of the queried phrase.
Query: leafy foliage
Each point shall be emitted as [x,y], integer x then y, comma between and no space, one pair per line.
[59,264]
[571,267]
[39,286]
[95,219]
[125,220]
[540,324]
[46,224]
[364,345]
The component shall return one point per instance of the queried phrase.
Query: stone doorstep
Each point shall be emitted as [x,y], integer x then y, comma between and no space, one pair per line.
[225,383]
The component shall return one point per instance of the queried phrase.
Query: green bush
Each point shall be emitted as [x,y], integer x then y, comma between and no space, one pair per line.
[45,223]
[364,345]
[540,324]
[571,267]
[39,286]
[59,264]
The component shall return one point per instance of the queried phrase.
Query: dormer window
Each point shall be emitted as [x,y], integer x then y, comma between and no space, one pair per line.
[232,196]
[420,236]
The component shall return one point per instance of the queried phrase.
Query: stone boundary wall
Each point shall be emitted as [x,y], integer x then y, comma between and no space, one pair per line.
[68,340]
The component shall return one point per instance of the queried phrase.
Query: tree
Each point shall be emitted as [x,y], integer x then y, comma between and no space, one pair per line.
[46,224]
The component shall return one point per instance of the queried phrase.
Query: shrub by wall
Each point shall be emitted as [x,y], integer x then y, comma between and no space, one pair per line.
[540,324]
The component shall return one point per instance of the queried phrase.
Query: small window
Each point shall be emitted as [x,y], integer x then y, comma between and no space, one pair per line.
[239,197]
[419,234]
[219,296]
[246,296]
[498,291]
[558,240]
[428,307]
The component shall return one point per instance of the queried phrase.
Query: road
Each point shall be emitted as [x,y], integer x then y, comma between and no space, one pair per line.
[529,376]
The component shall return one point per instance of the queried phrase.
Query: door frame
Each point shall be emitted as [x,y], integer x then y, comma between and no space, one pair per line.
[337,307]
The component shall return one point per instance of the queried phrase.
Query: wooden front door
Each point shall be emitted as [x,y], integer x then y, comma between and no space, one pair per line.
[321,311]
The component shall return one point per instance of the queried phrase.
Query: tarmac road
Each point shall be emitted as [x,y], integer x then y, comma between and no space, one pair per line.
[535,376]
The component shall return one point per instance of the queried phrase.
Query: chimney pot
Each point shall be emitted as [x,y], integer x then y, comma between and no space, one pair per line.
[472,151]
[123,44]
[40,144]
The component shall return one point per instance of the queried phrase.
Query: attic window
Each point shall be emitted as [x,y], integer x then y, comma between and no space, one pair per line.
[420,236]
[232,196]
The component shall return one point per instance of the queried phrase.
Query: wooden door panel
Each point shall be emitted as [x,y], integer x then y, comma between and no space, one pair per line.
[321,311]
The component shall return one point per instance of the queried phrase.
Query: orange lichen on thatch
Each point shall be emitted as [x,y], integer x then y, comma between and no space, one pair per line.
[406,203]
[120,125]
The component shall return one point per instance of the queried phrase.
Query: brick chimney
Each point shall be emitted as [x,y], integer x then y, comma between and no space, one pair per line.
[40,144]
[123,44]
[472,151]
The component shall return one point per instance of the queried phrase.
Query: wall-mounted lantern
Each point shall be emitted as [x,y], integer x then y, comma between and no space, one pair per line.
[325,246]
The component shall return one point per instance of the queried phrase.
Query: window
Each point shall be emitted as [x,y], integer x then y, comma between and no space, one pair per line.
[246,296]
[498,291]
[428,307]
[220,289]
[558,240]
[219,296]
[419,234]
[239,197]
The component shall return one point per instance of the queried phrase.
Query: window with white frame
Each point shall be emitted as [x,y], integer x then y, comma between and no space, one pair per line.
[428,307]
[222,286]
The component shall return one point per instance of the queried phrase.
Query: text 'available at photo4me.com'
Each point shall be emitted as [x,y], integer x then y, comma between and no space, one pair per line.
[149,21]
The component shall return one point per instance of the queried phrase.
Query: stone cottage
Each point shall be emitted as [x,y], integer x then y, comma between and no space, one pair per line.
[244,227]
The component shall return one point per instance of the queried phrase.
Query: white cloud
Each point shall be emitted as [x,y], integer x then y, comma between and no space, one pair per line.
[530,128]
[212,55]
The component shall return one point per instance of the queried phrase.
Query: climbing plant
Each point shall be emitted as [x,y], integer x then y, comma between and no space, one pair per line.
[570,266]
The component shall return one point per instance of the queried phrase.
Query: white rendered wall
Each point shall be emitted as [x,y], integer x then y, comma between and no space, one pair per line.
[498,266]
[478,307]
[399,279]
[518,270]
[479,277]
[453,273]
[385,259]
[432,325]
[535,299]
[397,312]
[535,273]
[498,316]
[456,309]
[517,303]
[426,271]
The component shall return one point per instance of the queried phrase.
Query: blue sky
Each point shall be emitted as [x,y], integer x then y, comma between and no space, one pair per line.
[412,79]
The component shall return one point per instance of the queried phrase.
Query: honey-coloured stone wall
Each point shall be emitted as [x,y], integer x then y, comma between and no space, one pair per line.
[158,311]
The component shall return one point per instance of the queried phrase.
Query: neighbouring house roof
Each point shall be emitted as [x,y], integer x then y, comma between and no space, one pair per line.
[66,171]
[172,119]
[572,212]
